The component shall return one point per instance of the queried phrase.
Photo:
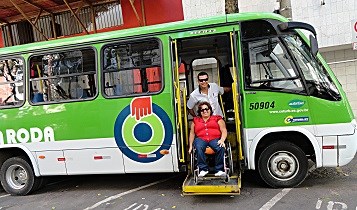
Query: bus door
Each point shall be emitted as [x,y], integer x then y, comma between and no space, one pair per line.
[180,92]
[211,51]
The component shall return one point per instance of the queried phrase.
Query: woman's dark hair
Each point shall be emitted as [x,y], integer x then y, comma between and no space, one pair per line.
[200,106]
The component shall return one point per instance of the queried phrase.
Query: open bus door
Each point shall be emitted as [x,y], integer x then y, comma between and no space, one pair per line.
[180,107]
[210,184]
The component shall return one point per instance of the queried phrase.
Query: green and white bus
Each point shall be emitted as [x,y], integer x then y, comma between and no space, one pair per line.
[115,102]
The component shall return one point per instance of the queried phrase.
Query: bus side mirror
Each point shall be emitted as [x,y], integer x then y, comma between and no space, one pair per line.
[313,45]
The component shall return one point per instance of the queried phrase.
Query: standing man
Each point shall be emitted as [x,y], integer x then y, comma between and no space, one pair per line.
[206,92]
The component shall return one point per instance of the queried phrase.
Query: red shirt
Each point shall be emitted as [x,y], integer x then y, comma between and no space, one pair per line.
[208,130]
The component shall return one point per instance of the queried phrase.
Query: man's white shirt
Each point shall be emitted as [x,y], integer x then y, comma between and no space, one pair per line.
[212,97]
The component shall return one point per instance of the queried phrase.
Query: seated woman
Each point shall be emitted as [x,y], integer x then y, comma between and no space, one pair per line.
[208,130]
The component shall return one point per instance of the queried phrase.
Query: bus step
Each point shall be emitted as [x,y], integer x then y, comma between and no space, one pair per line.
[211,185]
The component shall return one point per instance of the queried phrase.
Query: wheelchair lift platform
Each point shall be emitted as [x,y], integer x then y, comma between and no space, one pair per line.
[211,185]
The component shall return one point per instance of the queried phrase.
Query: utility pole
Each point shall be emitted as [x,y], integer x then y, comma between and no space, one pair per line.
[285,8]
[231,6]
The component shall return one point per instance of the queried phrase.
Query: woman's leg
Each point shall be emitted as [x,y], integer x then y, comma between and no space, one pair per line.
[200,146]
[219,155]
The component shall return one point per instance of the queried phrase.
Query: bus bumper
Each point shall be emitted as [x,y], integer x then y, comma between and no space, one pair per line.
[347,148]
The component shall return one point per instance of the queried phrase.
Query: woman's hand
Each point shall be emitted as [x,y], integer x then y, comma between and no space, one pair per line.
[222,127]
[220,143]
[190,150]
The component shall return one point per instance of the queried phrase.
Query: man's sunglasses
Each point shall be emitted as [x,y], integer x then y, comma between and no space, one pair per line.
[203,80]
[205,109]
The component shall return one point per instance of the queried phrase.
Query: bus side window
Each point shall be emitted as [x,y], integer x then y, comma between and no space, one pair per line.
[63,76]
[11,83]
[132,68]
[270,67]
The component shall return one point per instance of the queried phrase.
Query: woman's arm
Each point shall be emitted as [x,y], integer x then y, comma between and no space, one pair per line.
[222,127]
[191,137]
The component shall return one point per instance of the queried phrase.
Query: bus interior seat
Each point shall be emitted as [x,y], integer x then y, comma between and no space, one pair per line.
[118,90]
[38,97]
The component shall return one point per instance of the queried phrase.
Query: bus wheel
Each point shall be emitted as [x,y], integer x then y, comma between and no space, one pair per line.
[283,164]
[39,182]
[17,176]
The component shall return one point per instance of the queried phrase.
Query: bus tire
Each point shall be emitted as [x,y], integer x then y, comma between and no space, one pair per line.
[283,164]
[17,176]
[39,183]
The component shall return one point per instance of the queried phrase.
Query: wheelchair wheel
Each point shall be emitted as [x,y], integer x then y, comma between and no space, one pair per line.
[195,177]
[229,158]
[193,161]
[226,178]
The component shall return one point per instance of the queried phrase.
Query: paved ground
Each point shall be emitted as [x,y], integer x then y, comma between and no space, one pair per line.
[326,188]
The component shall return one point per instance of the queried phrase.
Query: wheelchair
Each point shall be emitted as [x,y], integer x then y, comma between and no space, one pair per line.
[210,156]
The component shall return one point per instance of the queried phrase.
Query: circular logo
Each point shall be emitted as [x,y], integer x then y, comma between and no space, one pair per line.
[142,140]
[288,119]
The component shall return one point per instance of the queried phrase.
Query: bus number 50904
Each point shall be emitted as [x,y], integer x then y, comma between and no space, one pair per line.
[262,105]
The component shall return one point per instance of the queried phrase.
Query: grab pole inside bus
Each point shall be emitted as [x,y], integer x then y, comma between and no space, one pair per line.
[219,84]
[178,102]
[184,92]
[235,99]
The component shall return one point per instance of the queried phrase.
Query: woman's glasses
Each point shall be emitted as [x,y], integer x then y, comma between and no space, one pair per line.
[205,109]
[203,80]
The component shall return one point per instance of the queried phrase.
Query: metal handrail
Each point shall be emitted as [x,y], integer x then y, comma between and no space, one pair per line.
[178,101]
[235,102]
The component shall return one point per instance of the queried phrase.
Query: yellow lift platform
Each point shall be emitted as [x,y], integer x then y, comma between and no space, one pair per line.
[211,185]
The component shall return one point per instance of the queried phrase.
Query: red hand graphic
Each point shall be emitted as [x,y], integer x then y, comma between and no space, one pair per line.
[141,107]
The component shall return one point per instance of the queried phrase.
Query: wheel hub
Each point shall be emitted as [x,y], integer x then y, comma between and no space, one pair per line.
[16,176]
[283,165]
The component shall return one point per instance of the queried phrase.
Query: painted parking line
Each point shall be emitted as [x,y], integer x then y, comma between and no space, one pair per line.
[127,192]
[3,196]
[275,199]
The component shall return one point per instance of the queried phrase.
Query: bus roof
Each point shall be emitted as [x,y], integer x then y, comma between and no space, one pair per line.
[153,29]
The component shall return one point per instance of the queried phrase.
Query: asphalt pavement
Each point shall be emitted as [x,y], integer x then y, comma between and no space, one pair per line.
[324,188]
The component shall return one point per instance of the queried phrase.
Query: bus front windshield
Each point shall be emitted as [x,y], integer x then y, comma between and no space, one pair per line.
[318,81]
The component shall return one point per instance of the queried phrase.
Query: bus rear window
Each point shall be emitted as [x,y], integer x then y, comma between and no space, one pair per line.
[11,83]
[132,68]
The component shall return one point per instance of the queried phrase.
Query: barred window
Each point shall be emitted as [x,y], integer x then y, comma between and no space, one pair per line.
[132,68]
[11,82]
[63,76]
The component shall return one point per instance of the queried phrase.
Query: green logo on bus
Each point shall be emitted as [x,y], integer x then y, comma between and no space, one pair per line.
[296,103]
[291,119]
[148,131]
[143,131]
